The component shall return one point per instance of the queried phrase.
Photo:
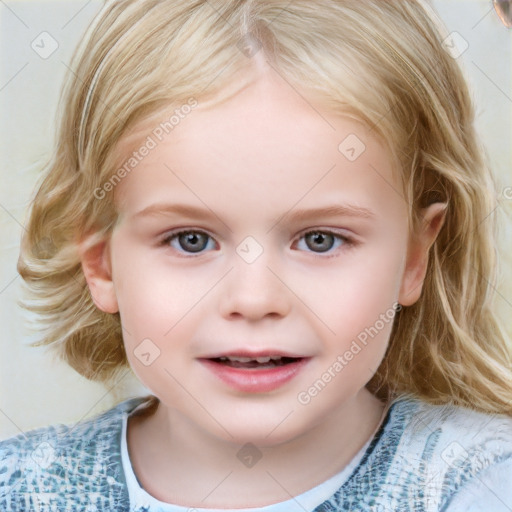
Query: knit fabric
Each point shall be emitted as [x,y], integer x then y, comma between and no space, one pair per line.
[424,458]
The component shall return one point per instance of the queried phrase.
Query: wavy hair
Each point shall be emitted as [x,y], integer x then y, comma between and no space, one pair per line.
[381,62]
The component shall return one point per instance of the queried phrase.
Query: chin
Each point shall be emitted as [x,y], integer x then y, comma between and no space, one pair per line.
[262,431]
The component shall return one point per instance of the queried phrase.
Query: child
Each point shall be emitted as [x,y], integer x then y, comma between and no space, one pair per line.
[327,339]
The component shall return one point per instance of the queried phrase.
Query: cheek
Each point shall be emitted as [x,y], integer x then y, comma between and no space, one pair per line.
[153,295]
[159,307]
[352,310]
[353,294]
[158,324]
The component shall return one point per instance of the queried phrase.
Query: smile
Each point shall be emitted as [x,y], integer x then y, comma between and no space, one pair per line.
[258,362]
[255,375]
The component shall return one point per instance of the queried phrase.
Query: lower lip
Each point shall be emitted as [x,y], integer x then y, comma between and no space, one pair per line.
[253,380]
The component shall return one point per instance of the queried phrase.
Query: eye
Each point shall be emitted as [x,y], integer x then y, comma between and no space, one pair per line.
[322,241]
[189,241]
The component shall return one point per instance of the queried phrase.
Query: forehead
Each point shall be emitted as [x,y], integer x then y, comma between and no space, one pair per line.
[268,137]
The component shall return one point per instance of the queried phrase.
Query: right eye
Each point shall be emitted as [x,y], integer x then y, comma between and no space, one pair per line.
[189,241]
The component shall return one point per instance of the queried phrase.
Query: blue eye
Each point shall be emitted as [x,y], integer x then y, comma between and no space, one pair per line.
[195,241]
[189,241]
[322,241]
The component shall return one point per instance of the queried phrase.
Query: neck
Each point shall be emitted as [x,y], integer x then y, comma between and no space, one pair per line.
[166,449]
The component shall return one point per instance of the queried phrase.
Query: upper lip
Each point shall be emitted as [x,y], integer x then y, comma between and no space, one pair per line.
[253,354]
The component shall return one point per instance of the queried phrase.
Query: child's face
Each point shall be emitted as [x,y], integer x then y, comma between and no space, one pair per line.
[253,179]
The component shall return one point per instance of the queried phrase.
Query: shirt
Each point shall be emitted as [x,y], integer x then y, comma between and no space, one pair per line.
[424,457]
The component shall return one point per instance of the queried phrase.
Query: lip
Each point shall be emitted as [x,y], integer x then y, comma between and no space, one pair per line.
[254,380]
[252,354]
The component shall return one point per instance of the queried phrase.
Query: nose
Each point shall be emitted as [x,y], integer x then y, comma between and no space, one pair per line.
[254,291]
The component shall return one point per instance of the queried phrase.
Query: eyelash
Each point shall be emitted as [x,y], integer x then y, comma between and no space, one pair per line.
[347,242]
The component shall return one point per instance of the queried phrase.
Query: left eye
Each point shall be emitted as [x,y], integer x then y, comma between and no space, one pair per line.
[189,241]
[321,241]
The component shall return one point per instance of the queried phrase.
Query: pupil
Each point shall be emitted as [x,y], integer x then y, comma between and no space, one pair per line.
[193,242]
[319,242]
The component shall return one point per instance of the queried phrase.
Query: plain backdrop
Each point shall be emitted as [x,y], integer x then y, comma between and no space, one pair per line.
[36,42]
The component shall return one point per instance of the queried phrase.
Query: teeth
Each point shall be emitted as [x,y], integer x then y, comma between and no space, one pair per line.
[240,359]
[262,359]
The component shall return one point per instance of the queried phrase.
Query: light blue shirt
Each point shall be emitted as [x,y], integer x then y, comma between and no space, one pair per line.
[423,458]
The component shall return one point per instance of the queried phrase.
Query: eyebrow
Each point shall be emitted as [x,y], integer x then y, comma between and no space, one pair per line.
[338,210]
[176,209]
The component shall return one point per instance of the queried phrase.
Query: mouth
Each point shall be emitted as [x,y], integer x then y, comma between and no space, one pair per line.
[258,363]
[255,373]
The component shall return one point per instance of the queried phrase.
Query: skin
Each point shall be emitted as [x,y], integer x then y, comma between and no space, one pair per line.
[250,163]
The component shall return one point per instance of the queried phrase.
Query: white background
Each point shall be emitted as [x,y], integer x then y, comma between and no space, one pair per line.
[35,388]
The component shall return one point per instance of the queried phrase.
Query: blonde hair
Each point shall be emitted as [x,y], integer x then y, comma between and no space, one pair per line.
[381,62]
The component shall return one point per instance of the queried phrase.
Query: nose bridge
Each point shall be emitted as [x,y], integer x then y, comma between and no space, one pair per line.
[252,289]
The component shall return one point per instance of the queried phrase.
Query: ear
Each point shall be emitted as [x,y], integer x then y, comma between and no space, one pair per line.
[433,217]
[97,268]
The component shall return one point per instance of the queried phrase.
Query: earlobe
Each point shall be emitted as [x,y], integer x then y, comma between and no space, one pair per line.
[97,269]
[420,243]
